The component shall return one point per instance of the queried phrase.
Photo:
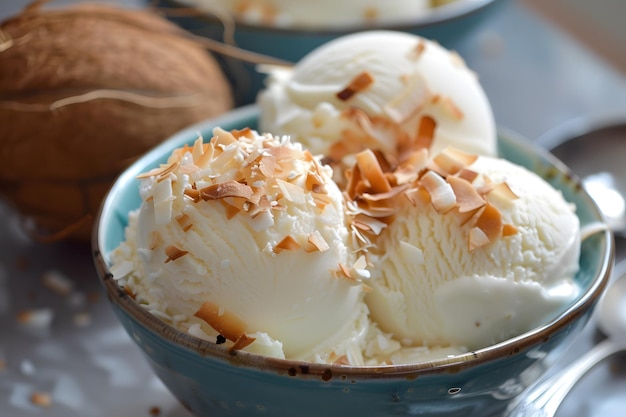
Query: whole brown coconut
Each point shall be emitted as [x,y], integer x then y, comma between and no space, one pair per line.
[84,91]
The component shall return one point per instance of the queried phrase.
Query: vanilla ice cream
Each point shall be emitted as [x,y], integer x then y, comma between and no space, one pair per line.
[477,250]
[428,245]
[244,236]
[319,14]
[374,90]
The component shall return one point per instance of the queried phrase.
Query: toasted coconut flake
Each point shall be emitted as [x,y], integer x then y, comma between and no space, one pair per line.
[467,197]
[203,160]
[504,190]
[508,230]
[242,341]
[419,49]
[457,60]
[197,150]
[161,172]
[291,192]
[245,132]
[389,137]
[308,156]
[314,182]
[467,174]
[341,360]
[369,224]
[338,150]
[226,189]
[441,194]
[173,253]
[230,210]
[412,163]
[450,108]
[261,220]
[225,323]
[414,158]
[360,267]
[288,243]
[355,177]
[405,175]
[344,272]
[425,133]
[452,160]
[379,212]
[371,170]
[41,399]
[267,165]
[316,243]
[371,14]
[184,221]
[485,188]
[490,222]
[190,170]
[262,205]
[417,196]
[449,162]
[154,240]
[360,83]
[363,240]
[470,216]
[477,238]
[284,154]
[193,194]
[130,293]
[321,200]
[222,137]
[39,318]
[393,192]
[464,158]
[122,269]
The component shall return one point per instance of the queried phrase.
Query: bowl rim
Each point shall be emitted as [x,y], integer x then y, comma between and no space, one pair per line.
[443,14]
[580,126]
[203,348]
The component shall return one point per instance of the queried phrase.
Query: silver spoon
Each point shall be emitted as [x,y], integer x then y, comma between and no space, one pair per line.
[545,398]
[595,149]
[589,154]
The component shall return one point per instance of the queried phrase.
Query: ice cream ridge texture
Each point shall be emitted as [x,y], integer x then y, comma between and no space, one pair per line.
[375,224]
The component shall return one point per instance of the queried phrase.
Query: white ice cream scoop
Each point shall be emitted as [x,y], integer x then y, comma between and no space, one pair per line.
[373,90]
[432,285]
[244,234]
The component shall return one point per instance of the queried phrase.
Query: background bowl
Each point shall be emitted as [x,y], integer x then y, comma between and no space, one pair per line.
[210,381]
[447,25]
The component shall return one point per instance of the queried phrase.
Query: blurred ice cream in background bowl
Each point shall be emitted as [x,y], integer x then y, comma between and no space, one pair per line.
[288,30]
[377,251]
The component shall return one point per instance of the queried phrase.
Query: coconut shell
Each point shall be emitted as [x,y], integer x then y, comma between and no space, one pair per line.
[84,91]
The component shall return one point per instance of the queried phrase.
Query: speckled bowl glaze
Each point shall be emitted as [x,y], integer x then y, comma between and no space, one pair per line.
[448,25]
[210,381]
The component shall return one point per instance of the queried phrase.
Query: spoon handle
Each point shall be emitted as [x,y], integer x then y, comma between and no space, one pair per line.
[544,399]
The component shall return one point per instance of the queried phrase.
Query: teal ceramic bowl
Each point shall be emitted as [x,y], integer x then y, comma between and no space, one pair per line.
[448,25]
[210,381]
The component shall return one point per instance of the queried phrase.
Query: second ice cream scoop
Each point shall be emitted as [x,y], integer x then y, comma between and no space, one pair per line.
[472,258]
